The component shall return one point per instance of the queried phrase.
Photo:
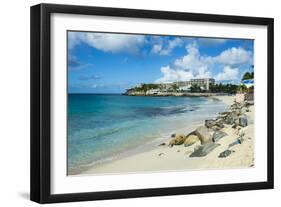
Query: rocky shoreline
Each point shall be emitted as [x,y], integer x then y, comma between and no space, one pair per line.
[206,137]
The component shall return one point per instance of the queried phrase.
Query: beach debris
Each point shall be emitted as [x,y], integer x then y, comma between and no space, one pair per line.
[203,134]
[225,153]
[178,140]
[160,154]
[203,150]
[243,121]
[162,144]
[173,135]
[190,140]
[217,135]
[178,151]
[239,140]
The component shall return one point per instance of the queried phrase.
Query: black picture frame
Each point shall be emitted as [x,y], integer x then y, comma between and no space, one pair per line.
[40,184]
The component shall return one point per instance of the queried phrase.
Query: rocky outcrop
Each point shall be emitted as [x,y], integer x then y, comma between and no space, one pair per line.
[210,123]
[230,118]
[178,140]
[243,121]
[217,135]
[190,140]
[203,134]
[204,139]
[214,124]
[204,149]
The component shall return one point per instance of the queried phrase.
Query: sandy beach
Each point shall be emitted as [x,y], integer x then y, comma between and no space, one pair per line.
[164,157]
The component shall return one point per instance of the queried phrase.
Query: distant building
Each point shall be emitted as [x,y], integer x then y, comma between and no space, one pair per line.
[153,91]
[203,83]
[185,88]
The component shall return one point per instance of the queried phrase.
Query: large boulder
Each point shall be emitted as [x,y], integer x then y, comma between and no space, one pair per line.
[203,134]
[243,121]
[204,149]
[217,135]
[244,110]
[219,123]
[230,119]
[178,140]
[210,123]
[237,112]
[190,140]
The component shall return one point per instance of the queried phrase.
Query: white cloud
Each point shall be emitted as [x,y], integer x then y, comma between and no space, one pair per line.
[156,49]
[73,39]
[108,42]
[171,75]
[235,56]
[192,65]
[193,60]
[165,48]
[196,65]
[228,74]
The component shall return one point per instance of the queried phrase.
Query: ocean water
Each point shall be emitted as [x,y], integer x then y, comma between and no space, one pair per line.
[103,127]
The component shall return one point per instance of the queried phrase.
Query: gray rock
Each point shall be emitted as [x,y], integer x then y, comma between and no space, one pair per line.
[239,140]
[230,119]
[210,123]
[244,110]
[225,153]
[203,134]
[219,123]
[225,113]
[218,135]
[204,149]
[243,121]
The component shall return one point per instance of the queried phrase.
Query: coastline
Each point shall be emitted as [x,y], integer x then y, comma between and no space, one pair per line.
[177,158]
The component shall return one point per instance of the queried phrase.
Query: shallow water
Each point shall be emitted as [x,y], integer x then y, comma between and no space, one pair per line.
[101,127]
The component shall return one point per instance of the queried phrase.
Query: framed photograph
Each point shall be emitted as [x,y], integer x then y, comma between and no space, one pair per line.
[132,103]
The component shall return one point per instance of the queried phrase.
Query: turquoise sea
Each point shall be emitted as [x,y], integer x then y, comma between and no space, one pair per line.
[101,127]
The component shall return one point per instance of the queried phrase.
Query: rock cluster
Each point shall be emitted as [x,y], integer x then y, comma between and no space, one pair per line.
[211,132]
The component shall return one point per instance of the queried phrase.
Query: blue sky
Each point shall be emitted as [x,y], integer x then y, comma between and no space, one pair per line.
[110,63]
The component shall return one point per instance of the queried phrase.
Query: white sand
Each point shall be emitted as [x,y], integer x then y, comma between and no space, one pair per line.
[177,158]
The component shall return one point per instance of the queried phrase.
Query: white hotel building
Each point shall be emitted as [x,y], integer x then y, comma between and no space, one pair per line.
[203,83]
